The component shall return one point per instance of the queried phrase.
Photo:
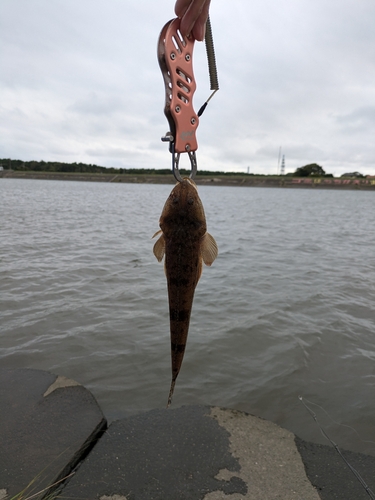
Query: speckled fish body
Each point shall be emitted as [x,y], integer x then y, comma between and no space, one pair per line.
[185,243]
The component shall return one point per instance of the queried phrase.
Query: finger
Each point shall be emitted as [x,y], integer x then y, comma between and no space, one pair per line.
[191,15]
[199,29]
[181,7]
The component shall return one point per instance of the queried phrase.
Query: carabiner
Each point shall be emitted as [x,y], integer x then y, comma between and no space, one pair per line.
[176,161]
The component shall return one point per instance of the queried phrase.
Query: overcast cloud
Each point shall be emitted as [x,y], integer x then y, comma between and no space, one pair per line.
[80,82]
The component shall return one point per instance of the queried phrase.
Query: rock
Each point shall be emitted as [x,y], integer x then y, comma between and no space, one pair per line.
[47,425]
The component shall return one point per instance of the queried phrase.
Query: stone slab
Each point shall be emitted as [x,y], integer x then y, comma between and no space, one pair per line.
[47,425]
[192,452]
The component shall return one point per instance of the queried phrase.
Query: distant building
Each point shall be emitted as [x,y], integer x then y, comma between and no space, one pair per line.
[1,168]
[352,174]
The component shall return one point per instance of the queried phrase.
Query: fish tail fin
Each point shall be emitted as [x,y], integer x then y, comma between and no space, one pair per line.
[171,392]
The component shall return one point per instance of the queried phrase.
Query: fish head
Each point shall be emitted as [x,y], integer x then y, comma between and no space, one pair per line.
[184,209]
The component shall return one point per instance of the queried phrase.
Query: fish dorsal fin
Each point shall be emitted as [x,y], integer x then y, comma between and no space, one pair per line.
[159,247]
[209,249]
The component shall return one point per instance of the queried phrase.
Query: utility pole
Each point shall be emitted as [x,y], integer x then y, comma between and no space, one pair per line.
[282,170]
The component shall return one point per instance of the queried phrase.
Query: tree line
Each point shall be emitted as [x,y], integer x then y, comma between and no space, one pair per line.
[54,166]
[312,169]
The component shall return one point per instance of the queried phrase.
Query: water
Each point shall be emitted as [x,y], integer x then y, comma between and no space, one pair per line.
[287,309]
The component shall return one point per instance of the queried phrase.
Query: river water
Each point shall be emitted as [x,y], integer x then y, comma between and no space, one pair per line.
[286,310]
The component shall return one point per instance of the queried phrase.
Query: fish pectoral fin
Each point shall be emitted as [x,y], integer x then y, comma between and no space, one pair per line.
[209,249]
[157,232]
[159,247]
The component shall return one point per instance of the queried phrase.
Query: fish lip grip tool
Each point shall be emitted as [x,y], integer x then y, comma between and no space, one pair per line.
[175,56]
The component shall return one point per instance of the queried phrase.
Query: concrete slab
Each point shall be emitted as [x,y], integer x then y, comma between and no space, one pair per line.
[332,477]
[47,425]
[193,453]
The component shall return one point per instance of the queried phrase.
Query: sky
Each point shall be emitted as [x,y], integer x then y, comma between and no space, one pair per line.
[80,82]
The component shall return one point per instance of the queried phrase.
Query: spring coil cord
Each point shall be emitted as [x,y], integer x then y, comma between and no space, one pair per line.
[212,69]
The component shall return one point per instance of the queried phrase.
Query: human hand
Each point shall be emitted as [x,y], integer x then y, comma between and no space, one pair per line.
[193,14]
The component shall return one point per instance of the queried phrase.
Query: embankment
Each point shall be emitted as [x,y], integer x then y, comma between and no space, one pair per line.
[216,180]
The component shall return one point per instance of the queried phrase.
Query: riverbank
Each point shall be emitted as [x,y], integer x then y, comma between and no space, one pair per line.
[55,439]
[216,180]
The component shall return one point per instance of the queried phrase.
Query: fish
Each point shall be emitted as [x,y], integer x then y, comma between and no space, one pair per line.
[185,244]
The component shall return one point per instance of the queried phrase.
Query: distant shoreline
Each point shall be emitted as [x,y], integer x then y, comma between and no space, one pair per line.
[214,180]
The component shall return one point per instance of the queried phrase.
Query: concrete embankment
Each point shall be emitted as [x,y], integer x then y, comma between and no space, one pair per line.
[52,428]
[217,180]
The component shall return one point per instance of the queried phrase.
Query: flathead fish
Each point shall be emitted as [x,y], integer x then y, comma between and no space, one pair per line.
[185,243]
